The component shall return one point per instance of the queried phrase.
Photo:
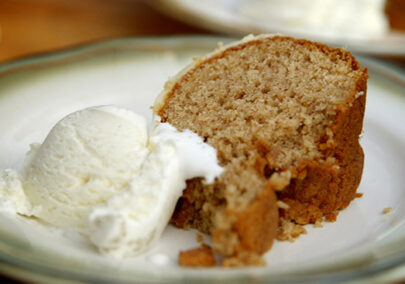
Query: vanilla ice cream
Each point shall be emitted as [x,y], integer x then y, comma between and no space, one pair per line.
[88,156]
[98,172]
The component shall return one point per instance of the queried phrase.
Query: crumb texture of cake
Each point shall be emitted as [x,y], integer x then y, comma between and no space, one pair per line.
[285,116]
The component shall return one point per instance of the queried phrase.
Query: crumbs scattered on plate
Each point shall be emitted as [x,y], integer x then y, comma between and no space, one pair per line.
[200,238]
[387,210]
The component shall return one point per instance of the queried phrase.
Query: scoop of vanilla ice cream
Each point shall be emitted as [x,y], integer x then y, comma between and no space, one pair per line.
[88,157]
[134,220]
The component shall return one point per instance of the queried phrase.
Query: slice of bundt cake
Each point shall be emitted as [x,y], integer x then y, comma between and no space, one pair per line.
[285,116]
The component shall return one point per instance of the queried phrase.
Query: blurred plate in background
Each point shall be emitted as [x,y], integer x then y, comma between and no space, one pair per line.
[233,17]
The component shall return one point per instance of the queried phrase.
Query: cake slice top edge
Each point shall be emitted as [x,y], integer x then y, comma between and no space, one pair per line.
[221,48]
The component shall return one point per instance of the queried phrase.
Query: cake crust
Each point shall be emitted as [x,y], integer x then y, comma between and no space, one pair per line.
[254,227]
[326,189]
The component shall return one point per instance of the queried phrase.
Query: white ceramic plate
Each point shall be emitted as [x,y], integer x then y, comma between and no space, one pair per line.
[36,92]
[227,16]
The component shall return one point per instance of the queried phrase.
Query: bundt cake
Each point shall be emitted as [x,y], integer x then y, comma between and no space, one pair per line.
[285,117]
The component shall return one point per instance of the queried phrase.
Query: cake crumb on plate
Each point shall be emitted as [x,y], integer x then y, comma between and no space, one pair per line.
[387,210]
[289,231]
[200,238]
[198,257]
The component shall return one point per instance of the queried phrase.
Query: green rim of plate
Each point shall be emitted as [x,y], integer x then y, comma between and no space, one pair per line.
[19,263]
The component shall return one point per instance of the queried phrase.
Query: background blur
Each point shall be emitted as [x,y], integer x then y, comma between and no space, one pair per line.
[37,26]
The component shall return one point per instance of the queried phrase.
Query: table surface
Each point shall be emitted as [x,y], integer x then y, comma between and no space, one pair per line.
[37,26]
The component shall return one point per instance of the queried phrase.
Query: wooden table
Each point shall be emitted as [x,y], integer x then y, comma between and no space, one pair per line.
[36,26]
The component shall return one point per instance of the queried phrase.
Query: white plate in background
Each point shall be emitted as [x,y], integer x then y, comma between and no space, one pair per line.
[226,16]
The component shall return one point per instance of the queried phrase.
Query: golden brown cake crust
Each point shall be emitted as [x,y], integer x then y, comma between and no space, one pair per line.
[311,188]
[256,226]
[326,189]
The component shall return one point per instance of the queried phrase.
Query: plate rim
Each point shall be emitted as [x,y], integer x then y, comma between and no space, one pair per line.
[59,57]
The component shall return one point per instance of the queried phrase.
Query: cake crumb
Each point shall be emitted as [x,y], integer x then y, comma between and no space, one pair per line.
[387,210]
[198,257]
[359,94]
[280,180]
[331,217]
[168,85]
[244,259]
[359,195]
[200,238]
[282,205]
[289,231]
[318,224]
[197,60]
